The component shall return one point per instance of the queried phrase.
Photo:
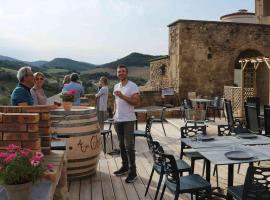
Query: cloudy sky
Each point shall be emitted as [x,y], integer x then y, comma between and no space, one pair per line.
[98,31]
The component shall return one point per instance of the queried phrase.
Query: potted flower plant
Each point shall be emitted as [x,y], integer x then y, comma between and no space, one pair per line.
[68,98]
[19,169]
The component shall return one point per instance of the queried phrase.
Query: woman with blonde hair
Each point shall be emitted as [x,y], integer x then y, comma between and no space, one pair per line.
[102,99]
[37,91]
[66,79]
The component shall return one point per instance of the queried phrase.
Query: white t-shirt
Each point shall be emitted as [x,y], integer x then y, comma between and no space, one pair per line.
[103,98]
[124,111]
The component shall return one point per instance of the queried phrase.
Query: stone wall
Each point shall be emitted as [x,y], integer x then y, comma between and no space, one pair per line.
[160,73]
[203,53]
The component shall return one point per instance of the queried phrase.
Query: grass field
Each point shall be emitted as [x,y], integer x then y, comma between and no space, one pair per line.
[56,70]
[142,72]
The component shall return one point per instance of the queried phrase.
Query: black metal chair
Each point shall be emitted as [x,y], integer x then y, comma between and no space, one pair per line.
[252,118]
[234,123]
[107,132]
[256,101]
[161,119]
[143,133]
[256,185]
[192,184]
[187,104]
[156,150]
[267,120]
[213,108]
[187,132]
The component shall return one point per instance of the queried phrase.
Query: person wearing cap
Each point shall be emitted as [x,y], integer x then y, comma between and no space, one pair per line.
[21,95]
[74,85]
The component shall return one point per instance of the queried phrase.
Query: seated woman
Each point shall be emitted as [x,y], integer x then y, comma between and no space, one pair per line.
[37,91]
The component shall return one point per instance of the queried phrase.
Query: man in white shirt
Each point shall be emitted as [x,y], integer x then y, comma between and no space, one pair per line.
[126,97]
[102,98]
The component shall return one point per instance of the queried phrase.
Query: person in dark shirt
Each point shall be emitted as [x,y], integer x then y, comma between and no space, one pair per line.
[21,95]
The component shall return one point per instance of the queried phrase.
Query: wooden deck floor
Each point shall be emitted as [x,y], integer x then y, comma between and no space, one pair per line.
[104,185]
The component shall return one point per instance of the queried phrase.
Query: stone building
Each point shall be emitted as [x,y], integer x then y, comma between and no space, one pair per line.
[203,55]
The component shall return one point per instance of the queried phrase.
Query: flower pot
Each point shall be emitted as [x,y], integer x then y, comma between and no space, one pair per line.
[19,191]
[67,105]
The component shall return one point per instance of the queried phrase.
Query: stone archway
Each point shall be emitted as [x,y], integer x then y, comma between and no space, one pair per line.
[248,53]
[262,81]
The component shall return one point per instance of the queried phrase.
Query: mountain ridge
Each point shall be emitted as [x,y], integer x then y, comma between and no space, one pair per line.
[133,59]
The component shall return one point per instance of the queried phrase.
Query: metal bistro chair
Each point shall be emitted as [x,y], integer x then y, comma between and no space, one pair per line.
[267,120]
[188,132]
[161,119]
[143,133]
[234,123]
[256,185]
[192,184]
[193,116]
[213,107]
[107,132]
[252,118]
[217,106]
[256,101]
[156,151]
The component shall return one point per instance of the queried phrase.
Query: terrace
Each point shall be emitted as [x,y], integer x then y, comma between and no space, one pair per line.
[104,185]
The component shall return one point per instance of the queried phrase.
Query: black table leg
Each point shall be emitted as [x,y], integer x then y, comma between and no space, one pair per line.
[230,178]
[208,170]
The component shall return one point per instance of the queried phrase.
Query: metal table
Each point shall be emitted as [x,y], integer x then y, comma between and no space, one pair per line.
[214,151]
[146,110]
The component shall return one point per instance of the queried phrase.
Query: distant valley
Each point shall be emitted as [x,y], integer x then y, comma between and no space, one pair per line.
[55,70]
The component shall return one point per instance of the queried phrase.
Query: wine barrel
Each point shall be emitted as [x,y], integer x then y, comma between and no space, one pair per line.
[79,128]
[84,101]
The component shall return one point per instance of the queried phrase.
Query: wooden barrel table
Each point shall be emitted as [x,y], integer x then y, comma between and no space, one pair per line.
[80,130]
[84,101]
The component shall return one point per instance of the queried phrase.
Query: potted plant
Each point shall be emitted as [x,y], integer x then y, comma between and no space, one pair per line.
[19,169]
[68,98]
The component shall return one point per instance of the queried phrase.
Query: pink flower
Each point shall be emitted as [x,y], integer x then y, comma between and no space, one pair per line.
[28,150]
[35,163]
[38,156]
[13,147]
[50,166]
[24,153]
[10,157]
[73,92]
[3,155]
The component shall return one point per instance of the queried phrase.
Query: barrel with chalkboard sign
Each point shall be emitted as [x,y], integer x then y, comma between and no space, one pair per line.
[79,128]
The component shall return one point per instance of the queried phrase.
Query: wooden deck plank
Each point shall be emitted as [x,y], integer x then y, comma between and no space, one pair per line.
[96,185]
[108,193]
[119,191]
[129,188]
[85,190]
[74,190]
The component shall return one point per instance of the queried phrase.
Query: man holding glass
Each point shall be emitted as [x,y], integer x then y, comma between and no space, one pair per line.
[126,97]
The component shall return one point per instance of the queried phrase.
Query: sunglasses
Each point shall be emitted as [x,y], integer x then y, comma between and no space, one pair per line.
[39,79]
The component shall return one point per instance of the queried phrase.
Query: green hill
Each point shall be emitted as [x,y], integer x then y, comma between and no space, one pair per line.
[68,64]
[132,60]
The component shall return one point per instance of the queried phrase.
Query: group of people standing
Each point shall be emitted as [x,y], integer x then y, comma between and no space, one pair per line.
[29,91]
